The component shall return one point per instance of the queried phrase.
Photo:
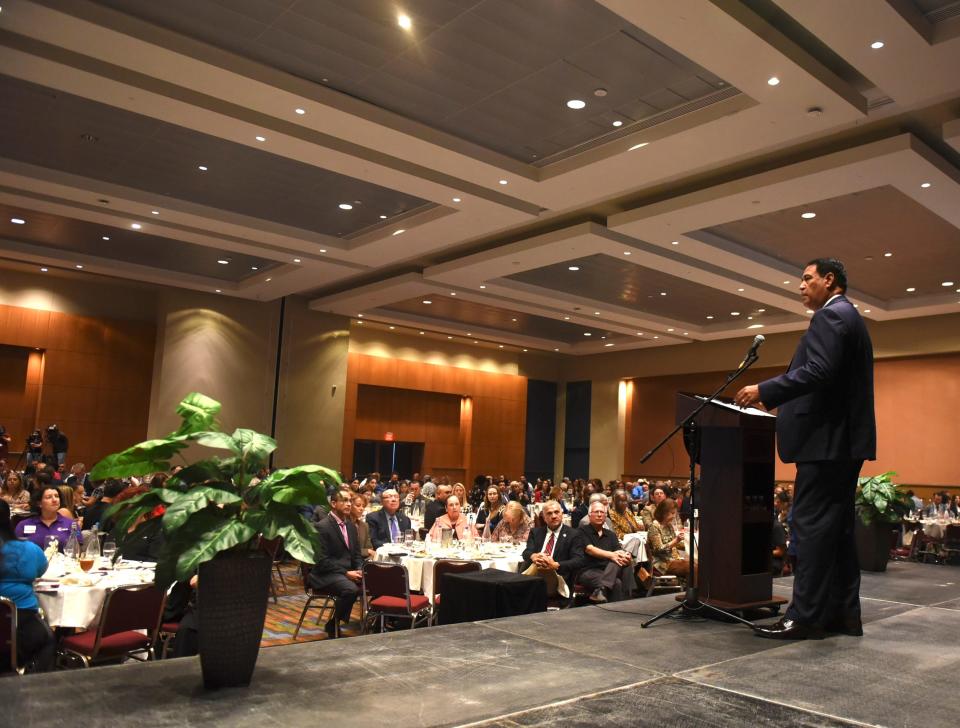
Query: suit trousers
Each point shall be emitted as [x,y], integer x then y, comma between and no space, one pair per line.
[345,590]
[826,582]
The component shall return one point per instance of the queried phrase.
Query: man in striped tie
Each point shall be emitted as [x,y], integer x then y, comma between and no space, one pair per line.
[553,550]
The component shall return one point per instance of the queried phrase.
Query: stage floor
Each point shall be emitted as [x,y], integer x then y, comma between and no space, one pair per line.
[591,666]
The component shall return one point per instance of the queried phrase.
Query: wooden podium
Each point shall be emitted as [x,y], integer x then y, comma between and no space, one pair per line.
[735,503]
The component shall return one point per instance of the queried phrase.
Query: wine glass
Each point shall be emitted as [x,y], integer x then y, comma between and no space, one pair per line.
[109,550]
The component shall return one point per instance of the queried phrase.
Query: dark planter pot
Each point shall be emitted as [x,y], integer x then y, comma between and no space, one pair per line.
[232,593]
[873,545]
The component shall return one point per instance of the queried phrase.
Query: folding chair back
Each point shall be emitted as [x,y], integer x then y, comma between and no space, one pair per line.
[442,567]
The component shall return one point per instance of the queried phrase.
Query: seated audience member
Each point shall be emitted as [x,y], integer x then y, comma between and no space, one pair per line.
[917,500]
[598,498]
[415,504]
[553,549]
[581,502]
[556,494]
[453,520]
[606,569]
[491,511]
[338,569]
[638,492]
[13,492]
[664,544]
[514,525]
[621,517]
[934,507]
[20,563]
[358,504]
[48,521]
[428,487]
[388,524]
[478,492]
[78,475]
[657,494]
[461,493]
[67,507]
[437,507]
[94,515]
[518,494]
[781,505]
[146,543]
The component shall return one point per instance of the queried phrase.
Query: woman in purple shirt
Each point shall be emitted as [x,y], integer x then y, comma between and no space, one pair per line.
[47,522]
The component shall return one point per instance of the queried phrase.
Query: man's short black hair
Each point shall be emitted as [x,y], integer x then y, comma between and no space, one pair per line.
[831,265]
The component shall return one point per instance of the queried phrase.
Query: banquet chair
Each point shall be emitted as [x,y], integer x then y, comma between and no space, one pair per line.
[329,601]
[950,549]
[125,611]
[274,548]
[386,593]
[8,636]
[441,568]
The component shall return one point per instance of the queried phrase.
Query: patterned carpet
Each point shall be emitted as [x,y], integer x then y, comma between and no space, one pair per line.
[283,615]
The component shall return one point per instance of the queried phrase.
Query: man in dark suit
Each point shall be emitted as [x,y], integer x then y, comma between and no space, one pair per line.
[338,569]
[554,547]
[437,507]
[826,425]
[388,524]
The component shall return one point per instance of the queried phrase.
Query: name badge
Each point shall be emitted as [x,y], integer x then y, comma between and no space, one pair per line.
[29,529]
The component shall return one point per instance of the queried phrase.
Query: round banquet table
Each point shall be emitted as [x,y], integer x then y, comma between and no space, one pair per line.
[67,605]
[935,528]
[420,568]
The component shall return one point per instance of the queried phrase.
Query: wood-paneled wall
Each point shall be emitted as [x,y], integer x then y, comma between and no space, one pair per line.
[916,398]
[96,376]
[470,421]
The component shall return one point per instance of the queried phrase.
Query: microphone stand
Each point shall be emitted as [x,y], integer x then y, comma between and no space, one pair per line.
[691,603]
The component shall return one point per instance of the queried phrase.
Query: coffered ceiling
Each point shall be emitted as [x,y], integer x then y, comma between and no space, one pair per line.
[572,176]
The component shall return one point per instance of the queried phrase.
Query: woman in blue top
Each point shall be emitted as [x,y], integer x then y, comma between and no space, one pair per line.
[48,521]
[20,563]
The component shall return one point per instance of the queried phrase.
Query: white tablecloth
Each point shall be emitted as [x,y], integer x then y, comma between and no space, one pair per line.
[420,568]
[935,528]
[79,606]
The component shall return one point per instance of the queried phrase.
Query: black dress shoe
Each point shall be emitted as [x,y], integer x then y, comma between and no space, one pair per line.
[788,629]
[846,625]
[330,629]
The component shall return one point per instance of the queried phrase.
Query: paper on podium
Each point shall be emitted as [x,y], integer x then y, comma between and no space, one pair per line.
[735,408]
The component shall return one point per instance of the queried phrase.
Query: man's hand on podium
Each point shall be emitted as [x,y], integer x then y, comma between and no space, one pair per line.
[749,396]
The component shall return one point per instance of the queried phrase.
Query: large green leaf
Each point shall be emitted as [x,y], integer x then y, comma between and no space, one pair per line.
[210,542]
[202,471]
[219,440]
[199,412]
[268,521]
[253,445]
[195,499]
[301,541]
[150,456]
[302,485]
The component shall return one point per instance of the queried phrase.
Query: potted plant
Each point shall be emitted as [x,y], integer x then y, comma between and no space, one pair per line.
[214,512]
[880,507]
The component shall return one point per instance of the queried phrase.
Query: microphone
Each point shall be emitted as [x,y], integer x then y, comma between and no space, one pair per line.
[757,340]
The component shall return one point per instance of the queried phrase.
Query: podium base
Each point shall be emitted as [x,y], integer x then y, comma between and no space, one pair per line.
[773,603]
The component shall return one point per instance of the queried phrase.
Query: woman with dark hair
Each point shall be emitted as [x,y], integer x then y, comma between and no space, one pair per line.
[20,563]
[48,521]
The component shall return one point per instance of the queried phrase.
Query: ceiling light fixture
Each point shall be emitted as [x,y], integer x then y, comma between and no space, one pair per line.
[427,302]
[566,318]
[925,185]
[154,212]
[504,181]
[809,310]
[877,45]
[618,123]
[360,315]
[456,199]
[656,337]
[501,346]
[627,252]
[105,237]
[401,231]
[669,331]
[422,333]
[911,289]
[224,261]
[710,318]
[524,349]
[573,267]
[639,333]
[453,293]
[78,266]
[608,344]
[587,333]
[323,250]
[740,290]
[641,145]
[345,206]
[44,270]
[269,279]
[866,310]
[253,267]
[576,104]
[260,138]
[663,293]
[773,81]
[888,255]
[734,313]
[808,215]
[296,260]
[392,328]
[404,21]
[755,326]
[219,291]
[136,225]
[202,168]
[18,221]
[300,111]
[383,217]
[482,286]
[947,284]
[786,283]
[674,242]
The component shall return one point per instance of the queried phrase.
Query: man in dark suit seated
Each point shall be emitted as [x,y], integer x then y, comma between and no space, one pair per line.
[553,550]
[338,569]
[388,524]
[437,507]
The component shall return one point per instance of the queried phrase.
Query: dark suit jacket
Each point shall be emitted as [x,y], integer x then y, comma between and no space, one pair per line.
[432,512]
[568,551]
[825,399]
[336,559]
[380,527]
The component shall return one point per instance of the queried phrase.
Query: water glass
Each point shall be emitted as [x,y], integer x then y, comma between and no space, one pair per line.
[408,537]
[109,550]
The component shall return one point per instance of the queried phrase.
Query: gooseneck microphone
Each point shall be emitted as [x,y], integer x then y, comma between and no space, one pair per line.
[757,340]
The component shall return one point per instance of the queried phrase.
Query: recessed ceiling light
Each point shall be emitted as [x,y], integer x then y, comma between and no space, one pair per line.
[501,346]
[761,310]
[656,337]
[669,331]
[686,333]
[947,284]
[44,270]
[105,237]
[422,333]
[345,206]
[401,231]
[453,293]
[773,81]
[383,217]
[253,267]
[663,293]
[449,337]
[566,318]
[300,111]
[456,199]
[427,302]
[641,145]
[734,313]
[710,318]
[404,21]
[224,261]
[576,103]
[296,260]
[556,350]
[749,318]
[323,250]
[639,333]
[740,290]
[260,138]
[618,123]
[888,255]
[587,333]
[469,334]
[136,225]
[877,45]
[524,349]
[79,266]
[504,181]
[674,242]
[755,326]
[808,215]
[269,279]
[609,344]
[573,267]
[219,291]
[482,286]
[911,289]
[627,252]
[392,328]
[925,185]
[809,310]
[786,283]
[866,310]
[360,315]
[18,221]
[358,323]
[202,168]
[154,212]
[596,313]
[514,320]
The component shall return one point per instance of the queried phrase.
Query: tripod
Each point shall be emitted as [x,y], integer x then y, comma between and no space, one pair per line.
[691,604]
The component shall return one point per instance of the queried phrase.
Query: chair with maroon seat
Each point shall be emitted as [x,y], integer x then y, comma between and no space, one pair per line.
[441,568]
[166,635]
[8,636]
[386,593]
[329,601]
[126,609]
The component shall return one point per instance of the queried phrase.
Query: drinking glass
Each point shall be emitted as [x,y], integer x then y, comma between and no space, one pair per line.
[408,537]
[109,550]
